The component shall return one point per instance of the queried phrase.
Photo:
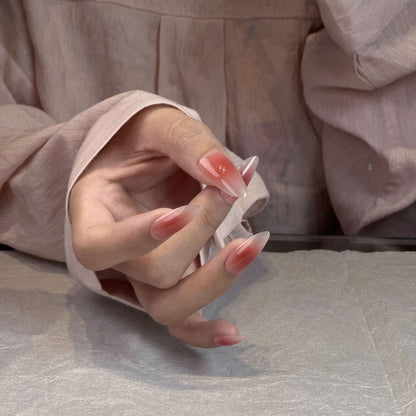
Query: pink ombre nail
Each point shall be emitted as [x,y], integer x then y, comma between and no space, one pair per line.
[173,221]
[246,252]
[247,168]
[219,168]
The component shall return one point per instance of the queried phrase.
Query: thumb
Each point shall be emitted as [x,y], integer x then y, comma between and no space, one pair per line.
[192,146]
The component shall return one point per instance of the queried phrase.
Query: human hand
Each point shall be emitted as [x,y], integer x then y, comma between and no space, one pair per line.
[156,160]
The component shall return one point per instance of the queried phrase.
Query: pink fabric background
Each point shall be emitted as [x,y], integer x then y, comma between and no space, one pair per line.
[323,92]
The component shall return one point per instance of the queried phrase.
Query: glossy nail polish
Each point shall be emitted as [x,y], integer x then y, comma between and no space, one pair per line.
[246,170]
[171,222]
[245,253]
[222,172]
[248,167]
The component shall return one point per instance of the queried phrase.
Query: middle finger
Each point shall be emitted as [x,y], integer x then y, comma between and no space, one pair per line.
[164,266]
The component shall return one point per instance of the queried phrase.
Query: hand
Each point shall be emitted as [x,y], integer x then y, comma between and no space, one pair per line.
[154,161]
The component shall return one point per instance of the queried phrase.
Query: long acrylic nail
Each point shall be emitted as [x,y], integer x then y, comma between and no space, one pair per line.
[173,221]
[220,170]
[246,170]
[246,252]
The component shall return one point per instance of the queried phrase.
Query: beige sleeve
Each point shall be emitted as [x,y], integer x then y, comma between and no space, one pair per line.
[359,77]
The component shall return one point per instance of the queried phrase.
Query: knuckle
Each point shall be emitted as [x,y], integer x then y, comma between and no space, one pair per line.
[163,282]
[162,319]
[132,243]
[185,129]
[160,274]
[82,251]
[209,220]
[156,311]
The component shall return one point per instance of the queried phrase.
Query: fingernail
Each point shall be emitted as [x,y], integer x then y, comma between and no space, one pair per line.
[219,168]
[246,252]
[246,170]
[227,340]
[248,167]
[173,221]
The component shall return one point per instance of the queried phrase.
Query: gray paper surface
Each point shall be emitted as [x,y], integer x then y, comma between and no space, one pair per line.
[327,334]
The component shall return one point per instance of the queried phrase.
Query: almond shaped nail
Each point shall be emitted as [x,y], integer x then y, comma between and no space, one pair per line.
[248,167]
[171,222]
[222,172]
[246,252]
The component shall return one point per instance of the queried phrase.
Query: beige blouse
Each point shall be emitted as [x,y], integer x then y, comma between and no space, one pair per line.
[324,92]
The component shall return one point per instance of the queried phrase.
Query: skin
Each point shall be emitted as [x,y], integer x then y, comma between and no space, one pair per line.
[150,167]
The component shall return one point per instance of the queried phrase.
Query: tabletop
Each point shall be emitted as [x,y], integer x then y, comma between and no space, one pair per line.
[327,333]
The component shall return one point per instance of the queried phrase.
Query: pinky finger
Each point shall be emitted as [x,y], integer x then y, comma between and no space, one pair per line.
[198,331]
